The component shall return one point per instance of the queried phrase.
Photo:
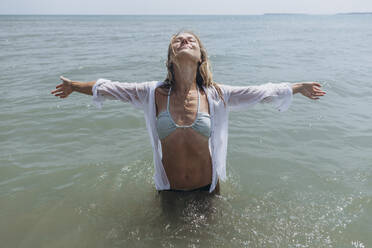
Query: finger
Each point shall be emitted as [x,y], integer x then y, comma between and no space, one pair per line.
[64,79]
[317,84]
[60,94]
[318,90]
[318,94]
[314,97]
[57,90]
[59,86]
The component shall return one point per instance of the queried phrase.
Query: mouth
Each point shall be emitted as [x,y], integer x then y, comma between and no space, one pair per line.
[184,46]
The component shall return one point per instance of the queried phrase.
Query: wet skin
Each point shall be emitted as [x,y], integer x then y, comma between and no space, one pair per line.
[186,158]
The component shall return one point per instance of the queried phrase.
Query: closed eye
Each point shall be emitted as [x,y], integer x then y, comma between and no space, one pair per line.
[190,39]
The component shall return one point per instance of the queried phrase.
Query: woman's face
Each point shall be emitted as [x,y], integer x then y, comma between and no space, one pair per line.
[185,46]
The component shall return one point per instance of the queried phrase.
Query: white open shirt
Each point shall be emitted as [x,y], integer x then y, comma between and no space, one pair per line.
[142,96]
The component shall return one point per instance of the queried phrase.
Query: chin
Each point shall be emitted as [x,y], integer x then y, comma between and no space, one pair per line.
[186,55]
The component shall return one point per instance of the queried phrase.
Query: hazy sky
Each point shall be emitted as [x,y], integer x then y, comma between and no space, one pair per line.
[182,7]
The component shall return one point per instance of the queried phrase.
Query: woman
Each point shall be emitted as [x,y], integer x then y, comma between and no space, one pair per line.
[187,114]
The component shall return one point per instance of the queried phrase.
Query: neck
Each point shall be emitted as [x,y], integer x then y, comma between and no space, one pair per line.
[185,78]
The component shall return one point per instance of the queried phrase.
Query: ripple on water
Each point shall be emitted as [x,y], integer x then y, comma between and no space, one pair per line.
[117,205]
[130,212]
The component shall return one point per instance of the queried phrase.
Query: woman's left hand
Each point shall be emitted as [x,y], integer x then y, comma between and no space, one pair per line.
[309,89]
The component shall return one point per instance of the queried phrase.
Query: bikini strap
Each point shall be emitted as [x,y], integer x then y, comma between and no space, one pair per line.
[197,87]
[168,98]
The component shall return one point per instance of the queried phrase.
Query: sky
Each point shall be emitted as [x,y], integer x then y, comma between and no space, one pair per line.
[187,7]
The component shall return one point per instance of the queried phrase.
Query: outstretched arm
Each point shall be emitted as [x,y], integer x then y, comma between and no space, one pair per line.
[280,94]
[134,93]
[68,86]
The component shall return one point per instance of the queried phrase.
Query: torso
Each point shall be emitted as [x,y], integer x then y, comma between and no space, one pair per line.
[186,158]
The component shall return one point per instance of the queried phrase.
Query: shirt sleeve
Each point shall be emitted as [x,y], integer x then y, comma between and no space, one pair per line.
[240,97]
[134,93]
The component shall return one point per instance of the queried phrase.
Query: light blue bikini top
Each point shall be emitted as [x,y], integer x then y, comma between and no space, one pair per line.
[166,125]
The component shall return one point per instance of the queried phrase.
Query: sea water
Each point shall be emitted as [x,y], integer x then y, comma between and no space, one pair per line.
[75,176]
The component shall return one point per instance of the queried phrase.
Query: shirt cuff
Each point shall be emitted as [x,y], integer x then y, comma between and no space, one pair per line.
[286,97]
[97,98]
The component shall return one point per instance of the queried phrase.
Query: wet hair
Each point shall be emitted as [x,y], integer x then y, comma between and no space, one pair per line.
[203,75]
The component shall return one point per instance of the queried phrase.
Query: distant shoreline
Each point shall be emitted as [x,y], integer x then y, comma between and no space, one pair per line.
[287,14]
[356,13]
[346,13]
[264,14]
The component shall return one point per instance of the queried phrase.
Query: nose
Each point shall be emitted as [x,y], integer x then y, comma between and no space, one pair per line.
[184,41]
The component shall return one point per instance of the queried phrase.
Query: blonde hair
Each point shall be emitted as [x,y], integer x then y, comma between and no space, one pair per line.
[203,75]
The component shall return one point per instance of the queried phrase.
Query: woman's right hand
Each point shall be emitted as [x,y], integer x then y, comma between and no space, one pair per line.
[64,89]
